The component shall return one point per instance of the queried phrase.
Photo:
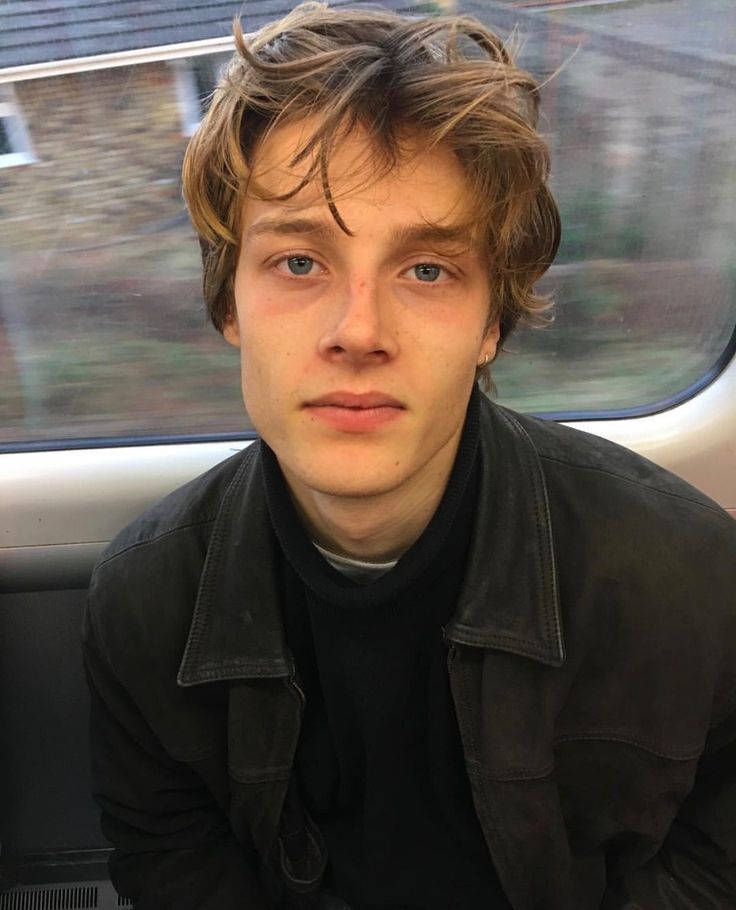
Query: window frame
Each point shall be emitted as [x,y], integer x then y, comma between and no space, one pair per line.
[15,129]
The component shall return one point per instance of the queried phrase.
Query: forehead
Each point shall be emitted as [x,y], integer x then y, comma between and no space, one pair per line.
[429,182]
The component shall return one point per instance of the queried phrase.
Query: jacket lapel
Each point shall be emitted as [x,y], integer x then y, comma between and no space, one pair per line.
[509,600]
[236,629]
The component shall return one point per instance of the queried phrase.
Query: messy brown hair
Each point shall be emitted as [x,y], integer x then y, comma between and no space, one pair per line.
[448,79]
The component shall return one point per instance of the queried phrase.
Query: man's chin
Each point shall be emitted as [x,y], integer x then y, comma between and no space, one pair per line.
[346,480]
[352,488]
[346,471]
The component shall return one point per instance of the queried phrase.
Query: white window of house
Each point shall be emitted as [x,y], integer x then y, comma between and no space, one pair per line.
[195,79]
[15,142]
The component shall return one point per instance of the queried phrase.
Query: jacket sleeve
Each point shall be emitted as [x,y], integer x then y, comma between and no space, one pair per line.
[174,847]
[695,869]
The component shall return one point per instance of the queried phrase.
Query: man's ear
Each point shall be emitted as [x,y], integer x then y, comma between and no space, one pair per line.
[492,334]
[493,331]
[231,332]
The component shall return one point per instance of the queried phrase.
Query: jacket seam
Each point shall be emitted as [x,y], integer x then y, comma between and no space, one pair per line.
[523,773]
[537,773]
[486,640]
[637,483]
[604,736]
[151,540]
[262,776]
[231,670]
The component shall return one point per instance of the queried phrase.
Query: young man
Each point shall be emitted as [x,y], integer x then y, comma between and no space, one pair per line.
[410,650]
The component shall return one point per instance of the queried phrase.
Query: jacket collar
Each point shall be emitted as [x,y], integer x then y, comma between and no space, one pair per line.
[236,629]
[509,600]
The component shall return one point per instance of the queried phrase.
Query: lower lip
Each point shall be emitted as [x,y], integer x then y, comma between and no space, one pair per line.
[354,420]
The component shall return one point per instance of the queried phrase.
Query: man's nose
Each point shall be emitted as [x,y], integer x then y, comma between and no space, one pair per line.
[359,325]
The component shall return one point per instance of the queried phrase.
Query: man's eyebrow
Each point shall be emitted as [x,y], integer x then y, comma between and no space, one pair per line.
[284,226]
[404,235]
[461,234]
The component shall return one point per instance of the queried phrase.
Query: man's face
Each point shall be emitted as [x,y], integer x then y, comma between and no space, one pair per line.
[359,352]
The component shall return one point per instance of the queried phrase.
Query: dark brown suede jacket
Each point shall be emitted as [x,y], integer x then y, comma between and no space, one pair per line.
[592,659]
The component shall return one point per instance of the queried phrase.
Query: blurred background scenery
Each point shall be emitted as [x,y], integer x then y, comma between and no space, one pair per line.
[102,328]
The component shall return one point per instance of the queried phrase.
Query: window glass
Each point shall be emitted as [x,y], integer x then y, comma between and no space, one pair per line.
[641,122]
[6,146]
[102,330]
[194,79]
[15,143]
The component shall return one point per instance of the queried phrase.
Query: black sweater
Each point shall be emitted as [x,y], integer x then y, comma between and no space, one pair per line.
[379,762]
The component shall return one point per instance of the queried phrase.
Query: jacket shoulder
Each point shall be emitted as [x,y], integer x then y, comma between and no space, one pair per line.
[611,465]
[193,505]
[642,557]
[144,587]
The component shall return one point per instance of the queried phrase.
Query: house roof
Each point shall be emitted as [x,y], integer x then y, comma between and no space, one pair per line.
[706,28]
[659,31]
[40,31]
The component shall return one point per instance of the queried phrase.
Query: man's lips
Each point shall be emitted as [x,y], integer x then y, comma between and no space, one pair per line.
[359,402]
[348,412]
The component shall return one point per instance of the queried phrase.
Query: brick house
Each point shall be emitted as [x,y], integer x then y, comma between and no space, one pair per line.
[97,102]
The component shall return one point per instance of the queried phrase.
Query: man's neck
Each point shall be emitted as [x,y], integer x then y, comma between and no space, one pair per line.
[380,527]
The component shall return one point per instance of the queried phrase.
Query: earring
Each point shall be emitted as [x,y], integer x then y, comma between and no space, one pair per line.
[486,358]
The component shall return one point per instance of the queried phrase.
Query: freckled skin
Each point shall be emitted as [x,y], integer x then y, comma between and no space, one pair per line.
[357,317]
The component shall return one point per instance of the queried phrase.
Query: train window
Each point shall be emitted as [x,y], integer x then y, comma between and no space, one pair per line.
[102,333]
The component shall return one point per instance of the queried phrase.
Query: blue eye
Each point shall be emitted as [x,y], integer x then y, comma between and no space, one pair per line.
[427,272]
[300,265]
